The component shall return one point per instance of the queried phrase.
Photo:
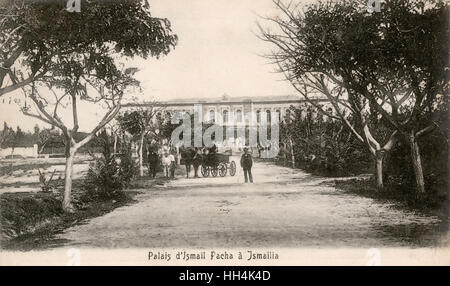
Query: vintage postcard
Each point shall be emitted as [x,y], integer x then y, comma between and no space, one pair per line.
[224,132]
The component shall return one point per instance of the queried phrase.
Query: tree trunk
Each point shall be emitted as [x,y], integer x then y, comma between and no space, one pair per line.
[379,169]
[140,152]
[115,145]
[292,153]
[67,205]
[417,163]
[42,147]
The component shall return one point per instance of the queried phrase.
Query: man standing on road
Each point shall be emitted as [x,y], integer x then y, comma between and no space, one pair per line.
[172,166]
[168,161]
[246,164]
[152,163]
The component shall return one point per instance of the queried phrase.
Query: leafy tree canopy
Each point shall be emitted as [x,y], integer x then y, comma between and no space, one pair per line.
[43,39]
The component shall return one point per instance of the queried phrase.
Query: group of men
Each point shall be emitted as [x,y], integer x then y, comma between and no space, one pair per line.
[168,163]
[191,157]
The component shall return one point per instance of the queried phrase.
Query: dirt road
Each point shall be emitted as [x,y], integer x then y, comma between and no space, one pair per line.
[283,208]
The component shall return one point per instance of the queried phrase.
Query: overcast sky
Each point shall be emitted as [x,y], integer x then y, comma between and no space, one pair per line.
[217,53]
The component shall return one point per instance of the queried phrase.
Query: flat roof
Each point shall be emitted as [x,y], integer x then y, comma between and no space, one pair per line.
[229,100]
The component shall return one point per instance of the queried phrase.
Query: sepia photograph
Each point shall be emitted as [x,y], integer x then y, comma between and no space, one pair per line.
[224,132]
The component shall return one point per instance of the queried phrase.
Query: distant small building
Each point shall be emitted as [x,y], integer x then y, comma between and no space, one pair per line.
[19,151]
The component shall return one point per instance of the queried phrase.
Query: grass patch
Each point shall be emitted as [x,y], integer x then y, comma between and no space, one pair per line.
[435,201]
[318,170]
[9,169]
[30,220]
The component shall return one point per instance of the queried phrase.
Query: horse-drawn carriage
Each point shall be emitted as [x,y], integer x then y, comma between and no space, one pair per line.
[217,164]
[210,162]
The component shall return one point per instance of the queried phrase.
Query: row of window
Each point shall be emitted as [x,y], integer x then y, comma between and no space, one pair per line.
[238,115]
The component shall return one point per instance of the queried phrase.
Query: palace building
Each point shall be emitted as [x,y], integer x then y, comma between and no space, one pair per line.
[233,109]
[234,113]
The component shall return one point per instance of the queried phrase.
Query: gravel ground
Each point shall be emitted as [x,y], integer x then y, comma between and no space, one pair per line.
[25,176]
[283,208]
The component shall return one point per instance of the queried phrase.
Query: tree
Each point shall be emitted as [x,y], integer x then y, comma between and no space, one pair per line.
[342,44]
[6,136]
[418,33]
[10,35]
[43,137]
[404,87]
[140,123]
[323,145]
[302,55]
[115,133]
[103,33]
[36,35]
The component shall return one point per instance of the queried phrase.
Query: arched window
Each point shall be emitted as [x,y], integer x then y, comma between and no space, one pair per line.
[279,115]
[238,115]
[258,116]
[269,119]
[225,116]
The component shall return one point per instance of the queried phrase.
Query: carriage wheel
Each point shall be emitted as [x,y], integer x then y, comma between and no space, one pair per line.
[222,169]
[232,168]
[214,171]
[205,171]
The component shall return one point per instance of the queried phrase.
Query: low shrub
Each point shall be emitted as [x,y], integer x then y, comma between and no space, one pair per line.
[127,166]
[24,212]
[102,180]
[107,178]
[324,147]
[434,202]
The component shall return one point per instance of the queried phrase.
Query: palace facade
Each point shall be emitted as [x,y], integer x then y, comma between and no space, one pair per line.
[235,113]
[228,110]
